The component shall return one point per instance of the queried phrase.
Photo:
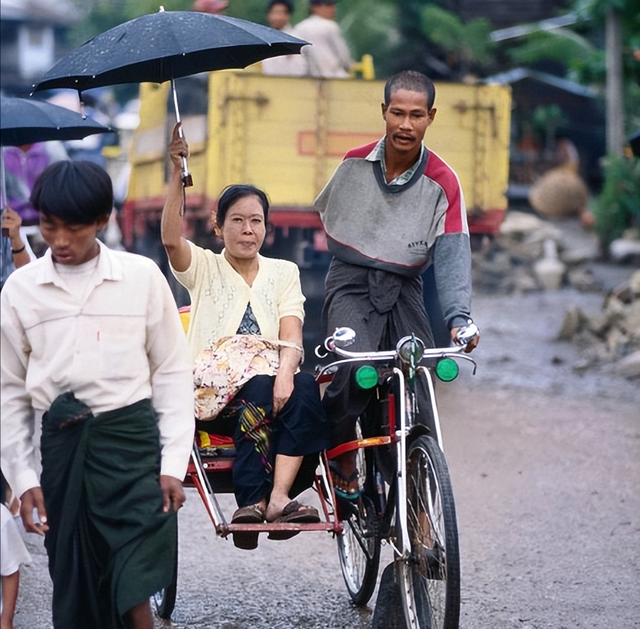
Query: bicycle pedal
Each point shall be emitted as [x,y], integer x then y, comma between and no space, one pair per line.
[347,508]
[431,563]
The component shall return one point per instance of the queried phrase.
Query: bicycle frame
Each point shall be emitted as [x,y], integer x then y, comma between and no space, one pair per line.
[399,435]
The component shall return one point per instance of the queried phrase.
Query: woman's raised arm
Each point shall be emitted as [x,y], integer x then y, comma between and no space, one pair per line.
[177,247]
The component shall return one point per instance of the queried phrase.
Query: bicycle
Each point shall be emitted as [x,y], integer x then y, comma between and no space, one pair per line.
[405,490]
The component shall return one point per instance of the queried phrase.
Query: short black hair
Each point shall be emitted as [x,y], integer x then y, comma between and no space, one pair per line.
[232,194]
[286,3]
[79,192]
[412,81]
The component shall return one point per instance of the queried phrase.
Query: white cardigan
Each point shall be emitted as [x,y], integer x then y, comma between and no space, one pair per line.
[219,296]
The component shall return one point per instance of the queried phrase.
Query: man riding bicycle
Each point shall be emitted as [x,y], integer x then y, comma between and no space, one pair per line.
[391,209]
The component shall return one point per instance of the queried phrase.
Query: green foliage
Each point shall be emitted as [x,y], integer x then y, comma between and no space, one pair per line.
[581,49]
[617,207]
[105,14]
[561,45]
[468,42]
[371,28]
[545,122]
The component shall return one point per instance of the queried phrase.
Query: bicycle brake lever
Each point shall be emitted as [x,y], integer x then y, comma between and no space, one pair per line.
[467,333]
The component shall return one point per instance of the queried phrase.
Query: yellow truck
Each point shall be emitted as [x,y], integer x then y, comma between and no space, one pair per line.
[287,135]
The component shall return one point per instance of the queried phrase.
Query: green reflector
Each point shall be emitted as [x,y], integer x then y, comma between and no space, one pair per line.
[447,369]
[367,377]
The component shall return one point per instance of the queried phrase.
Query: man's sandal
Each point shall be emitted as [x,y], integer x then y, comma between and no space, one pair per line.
[350,489]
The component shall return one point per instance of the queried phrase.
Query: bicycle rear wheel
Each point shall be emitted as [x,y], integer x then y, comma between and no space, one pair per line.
[359,542]
[430,578]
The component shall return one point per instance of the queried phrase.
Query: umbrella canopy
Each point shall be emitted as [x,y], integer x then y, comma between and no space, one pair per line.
[164,46]
[27,120]
[158,47]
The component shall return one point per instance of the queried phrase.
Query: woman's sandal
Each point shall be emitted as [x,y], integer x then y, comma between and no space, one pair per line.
[350,489]
[297,513]
[251,514]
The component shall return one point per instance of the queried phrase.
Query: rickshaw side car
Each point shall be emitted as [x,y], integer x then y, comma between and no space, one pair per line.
[405,493]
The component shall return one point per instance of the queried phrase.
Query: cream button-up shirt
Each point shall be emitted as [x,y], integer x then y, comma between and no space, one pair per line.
[219,296]
[121,343]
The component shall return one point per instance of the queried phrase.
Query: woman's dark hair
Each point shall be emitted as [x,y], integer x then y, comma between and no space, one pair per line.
[232,194]
[78,192]
[413,82]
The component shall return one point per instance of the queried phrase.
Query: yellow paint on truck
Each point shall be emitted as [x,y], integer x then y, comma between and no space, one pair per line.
[288,134]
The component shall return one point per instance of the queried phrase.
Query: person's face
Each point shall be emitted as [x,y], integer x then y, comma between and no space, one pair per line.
[244,229]
[407,117]
[278,16]
[70,243]
[327,11]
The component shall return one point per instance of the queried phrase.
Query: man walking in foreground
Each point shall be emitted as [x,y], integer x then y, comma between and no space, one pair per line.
[92,346]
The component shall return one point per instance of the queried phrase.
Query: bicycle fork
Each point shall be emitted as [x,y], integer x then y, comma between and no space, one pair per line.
[402,546]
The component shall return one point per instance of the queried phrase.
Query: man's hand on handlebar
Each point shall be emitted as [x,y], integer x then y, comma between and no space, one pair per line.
[467,335]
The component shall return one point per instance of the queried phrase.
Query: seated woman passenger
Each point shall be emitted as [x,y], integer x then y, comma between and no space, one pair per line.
[246,329]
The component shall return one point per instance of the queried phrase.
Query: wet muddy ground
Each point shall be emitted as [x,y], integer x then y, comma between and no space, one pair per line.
[545,462]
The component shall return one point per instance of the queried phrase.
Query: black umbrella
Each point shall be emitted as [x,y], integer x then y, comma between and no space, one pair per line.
[27,120]
[164,46]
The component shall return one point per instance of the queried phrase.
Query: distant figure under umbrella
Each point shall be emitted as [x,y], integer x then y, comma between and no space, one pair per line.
[14,246]
[23,165]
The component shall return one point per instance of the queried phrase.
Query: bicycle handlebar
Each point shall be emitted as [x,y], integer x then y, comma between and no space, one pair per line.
[343,337]
[467,333]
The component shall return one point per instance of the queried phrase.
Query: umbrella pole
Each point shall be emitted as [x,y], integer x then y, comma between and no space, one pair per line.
[187,180]
[3,184]
[3,181]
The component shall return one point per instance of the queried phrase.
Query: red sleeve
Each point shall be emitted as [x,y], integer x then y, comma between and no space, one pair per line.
[438,170]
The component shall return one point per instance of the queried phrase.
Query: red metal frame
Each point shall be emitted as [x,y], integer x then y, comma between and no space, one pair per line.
[215,464]
[323,481]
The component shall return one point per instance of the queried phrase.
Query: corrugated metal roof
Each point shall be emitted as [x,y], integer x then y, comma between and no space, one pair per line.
[526,29]
[59,12]
[521,74]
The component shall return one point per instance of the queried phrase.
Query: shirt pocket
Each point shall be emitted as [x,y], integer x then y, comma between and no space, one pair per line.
[121,348]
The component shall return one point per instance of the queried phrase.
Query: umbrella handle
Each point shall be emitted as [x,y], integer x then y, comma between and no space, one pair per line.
[185,175]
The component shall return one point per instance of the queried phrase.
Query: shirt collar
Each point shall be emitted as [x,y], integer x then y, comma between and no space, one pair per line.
[377,155]
[109,268]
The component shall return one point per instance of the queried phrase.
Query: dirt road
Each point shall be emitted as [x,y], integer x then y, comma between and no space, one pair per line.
[546,470]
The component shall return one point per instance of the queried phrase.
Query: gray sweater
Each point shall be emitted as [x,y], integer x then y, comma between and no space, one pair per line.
[402,229]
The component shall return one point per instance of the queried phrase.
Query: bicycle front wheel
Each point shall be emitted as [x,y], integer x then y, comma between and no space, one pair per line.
[430,577]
